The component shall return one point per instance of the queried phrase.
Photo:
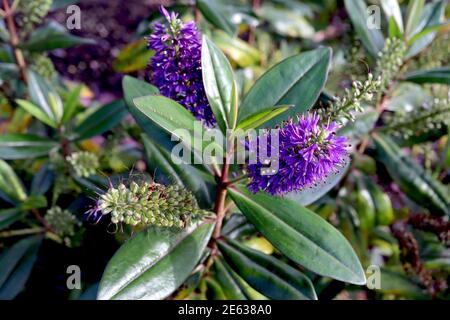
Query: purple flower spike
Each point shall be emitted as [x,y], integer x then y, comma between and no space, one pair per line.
[308,152]
[176,66]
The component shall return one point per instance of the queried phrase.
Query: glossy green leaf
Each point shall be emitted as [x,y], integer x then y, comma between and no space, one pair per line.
[52,36]
[36,112]
[372,39]
[219,84]
[135,88]
[43,180]
[10,183]
[229,285]
[24,146]
[217,14]
[15,266]
[71,104]
[154,263]
[9,216]
[301,235]
[260,117]
[297,81]
[45,96]
[350,226]
[426,29]
[437,75]
[415,8]
[269,276]
[102,120]
[181,174]
[176,120]
[412,179]
[250,292]
[392,10]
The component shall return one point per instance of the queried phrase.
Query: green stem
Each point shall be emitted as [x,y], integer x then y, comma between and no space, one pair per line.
[21,232]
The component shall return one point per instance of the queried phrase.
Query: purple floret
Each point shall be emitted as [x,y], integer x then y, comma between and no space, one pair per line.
[176,65]
[308,152]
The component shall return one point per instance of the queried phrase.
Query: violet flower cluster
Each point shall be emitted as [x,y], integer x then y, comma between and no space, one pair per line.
[176,65]
[308,152]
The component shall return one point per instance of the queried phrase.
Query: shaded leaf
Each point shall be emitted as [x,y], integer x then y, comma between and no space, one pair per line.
[267,275]
[52,36]
[412,179]
[15,266]
[154,263]
[102,120]
[217,14]
[437,75]
[181,174]
[219,84]
[10,185]
[301,235]
[297,81]
[24,146]
[372,39]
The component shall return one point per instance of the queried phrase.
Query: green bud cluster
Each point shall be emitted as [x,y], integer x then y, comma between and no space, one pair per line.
[390,60]
[63,222]
[435,56]
[344,107]
[43,66]
[419,120]
[150,204]
[32,12]
[84,163]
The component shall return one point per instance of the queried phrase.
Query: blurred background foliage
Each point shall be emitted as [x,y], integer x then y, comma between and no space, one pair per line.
[65,130]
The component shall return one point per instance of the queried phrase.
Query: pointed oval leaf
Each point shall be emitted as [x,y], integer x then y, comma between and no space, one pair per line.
[301,235]
[102,120]
[271,277]
[24,146]
[45,96]
[36,112]
[219,84]
[371,38]
[230,287]
[260,117]
[425,30]
[135,88]
[175,119]
[217,14]
[437,75]
[415,8]
[154,263]
[297,80]
[10,185]
[9,216]
[392,10]
[11,258]
[412,179]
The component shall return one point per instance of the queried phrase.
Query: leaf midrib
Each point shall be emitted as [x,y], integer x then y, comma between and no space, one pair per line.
[302,236]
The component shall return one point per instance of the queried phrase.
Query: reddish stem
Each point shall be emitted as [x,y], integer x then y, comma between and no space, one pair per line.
[14,41]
